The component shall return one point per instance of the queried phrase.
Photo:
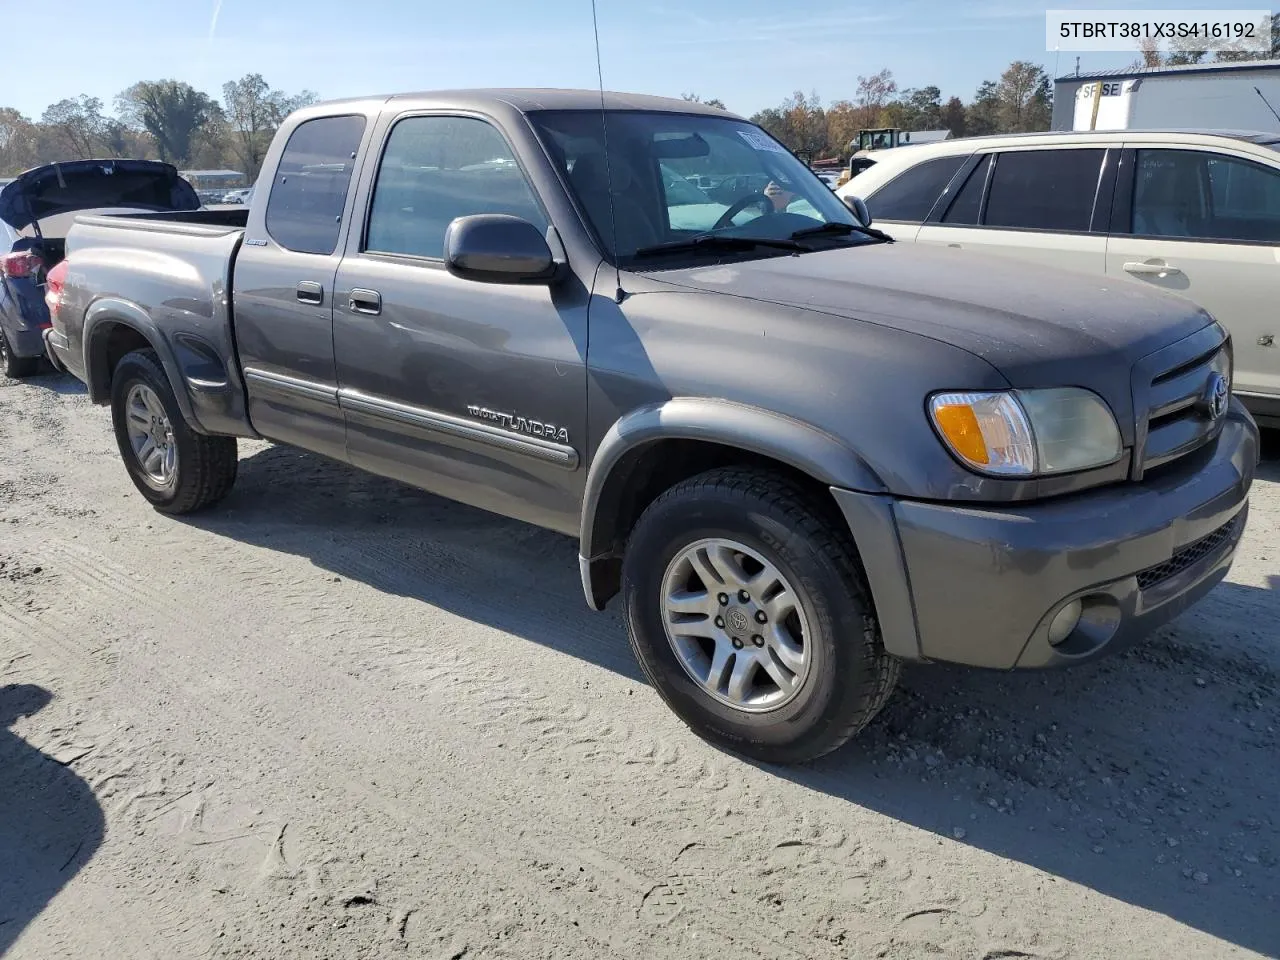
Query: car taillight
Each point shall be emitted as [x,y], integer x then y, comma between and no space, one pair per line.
[53,289]
[21,264]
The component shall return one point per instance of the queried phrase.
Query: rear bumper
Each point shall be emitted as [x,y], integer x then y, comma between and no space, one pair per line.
[54,347]
[26,342]
[980,586]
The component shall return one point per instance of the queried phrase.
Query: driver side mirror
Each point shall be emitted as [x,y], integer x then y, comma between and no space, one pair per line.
[859,208]
[498,248]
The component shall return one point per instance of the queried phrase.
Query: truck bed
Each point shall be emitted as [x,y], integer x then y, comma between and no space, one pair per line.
[170,274]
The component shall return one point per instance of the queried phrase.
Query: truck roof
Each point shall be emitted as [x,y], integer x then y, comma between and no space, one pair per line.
[531,100]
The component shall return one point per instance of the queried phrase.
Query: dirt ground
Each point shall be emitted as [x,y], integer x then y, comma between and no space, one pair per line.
[341,718]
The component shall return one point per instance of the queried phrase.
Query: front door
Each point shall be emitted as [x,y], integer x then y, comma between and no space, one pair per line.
[476,391]
[1206,225]
[283,288]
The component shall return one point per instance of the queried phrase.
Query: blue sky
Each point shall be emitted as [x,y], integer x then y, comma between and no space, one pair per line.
[749,53]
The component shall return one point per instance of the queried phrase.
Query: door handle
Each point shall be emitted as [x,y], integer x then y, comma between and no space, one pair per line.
[310,292]
[1149,269]
[366,301]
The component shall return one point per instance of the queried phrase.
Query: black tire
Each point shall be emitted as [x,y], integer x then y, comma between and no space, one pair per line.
[206,466]
[851,676]
[16,368]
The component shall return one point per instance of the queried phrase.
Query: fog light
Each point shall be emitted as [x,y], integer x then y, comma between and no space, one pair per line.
[1065,622]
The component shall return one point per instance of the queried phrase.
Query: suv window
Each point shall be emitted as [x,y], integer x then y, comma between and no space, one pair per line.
[911,194]
[436,169]
[1207,196]
[1044,190]
[966,208]
[309,192]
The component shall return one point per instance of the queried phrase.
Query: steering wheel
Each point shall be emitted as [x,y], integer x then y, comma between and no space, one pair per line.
[758,199]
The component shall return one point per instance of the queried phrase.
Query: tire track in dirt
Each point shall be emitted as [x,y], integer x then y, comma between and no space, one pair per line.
[564,850]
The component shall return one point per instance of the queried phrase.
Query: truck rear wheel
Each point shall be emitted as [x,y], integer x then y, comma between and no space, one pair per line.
[750,615]
[176,469]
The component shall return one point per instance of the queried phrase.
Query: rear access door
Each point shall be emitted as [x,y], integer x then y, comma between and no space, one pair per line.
[283,282]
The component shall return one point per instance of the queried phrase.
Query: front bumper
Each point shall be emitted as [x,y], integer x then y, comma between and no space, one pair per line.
[981,585]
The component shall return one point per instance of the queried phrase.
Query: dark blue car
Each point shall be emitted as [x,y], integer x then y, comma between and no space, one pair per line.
[36,210]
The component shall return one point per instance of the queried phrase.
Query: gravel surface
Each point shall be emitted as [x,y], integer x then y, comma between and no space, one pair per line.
[337,717]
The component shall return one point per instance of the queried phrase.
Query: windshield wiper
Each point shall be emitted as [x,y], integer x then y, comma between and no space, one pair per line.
[717,241]
[842,229]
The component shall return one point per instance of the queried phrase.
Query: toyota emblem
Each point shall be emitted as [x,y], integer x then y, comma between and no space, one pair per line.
[1217,397]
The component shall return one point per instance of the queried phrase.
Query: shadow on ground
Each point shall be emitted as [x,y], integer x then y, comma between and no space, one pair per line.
[1150,777]
[50,821]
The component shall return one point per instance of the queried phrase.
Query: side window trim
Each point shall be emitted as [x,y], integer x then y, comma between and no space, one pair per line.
[1100,219]
[949,193]
[937,215]
[360,241]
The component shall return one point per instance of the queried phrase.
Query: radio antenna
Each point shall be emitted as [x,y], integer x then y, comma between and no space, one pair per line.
[1267,102]
[619,295]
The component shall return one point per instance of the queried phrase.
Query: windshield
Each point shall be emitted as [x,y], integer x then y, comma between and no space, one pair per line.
[678,176]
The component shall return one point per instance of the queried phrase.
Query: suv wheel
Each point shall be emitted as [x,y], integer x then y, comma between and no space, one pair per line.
[750,615]
[15,367]
[175,468]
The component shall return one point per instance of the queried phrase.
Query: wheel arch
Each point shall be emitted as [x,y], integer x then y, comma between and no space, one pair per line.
[653,447]
[113,328]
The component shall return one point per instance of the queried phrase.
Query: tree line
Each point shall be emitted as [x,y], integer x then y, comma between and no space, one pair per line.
[154,119]
[1020,101]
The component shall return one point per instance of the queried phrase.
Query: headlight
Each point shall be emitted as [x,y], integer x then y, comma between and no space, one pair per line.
[1025,433]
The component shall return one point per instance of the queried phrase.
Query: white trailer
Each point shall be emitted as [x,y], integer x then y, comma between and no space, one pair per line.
[1223,96]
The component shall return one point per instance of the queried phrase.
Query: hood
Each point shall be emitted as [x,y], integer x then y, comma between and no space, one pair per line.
[1034,324]
[58,188]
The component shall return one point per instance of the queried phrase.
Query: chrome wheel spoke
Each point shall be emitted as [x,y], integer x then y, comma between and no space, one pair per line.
[783,645]
[782,676]
[719,665]
[744,668]
[693,627]
[690,601]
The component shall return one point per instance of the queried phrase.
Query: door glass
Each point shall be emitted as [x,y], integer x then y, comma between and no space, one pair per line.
[1205,196]
[309,192]
[911,195]
[1044,190]
[436,169]
[967,206]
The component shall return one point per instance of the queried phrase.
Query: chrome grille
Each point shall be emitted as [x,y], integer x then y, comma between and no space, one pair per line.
[1188,556]
[1171,391]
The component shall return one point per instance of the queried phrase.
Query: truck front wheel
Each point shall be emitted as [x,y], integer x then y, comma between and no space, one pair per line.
[176,469]
[750,615]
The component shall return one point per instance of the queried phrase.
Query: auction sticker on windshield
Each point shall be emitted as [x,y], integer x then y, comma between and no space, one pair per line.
[761,141]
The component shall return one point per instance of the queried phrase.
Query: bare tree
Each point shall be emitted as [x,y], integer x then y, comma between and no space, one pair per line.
[874,94]
[254,112]
[713,102]
[77,126]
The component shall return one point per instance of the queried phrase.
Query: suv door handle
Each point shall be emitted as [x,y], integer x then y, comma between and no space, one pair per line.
[310,292]
[366,301]
[1151,269]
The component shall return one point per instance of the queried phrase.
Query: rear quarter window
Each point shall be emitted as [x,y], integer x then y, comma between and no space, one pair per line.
[911,194]
[309,192]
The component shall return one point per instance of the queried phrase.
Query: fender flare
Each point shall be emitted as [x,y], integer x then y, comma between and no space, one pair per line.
[801,445]
[115,310]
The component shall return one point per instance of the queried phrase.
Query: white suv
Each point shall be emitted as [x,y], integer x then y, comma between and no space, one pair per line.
[1196,213]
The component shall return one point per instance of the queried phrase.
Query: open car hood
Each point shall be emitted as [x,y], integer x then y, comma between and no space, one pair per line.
[58,188]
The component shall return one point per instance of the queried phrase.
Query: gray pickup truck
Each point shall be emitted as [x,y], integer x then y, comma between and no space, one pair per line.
[800,453]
